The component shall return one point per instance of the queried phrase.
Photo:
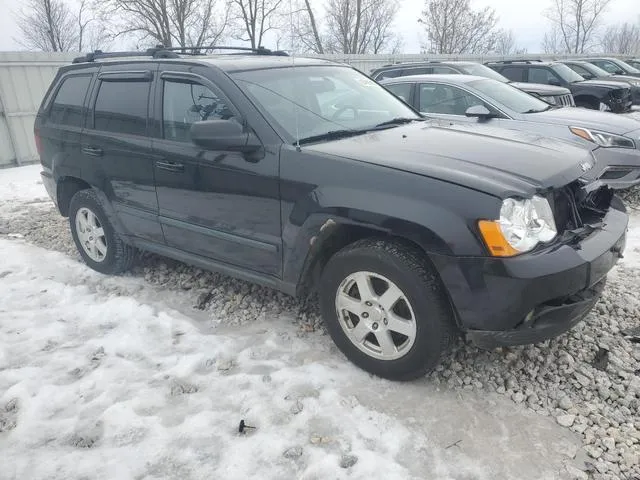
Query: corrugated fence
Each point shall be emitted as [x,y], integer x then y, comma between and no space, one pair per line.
[25,77]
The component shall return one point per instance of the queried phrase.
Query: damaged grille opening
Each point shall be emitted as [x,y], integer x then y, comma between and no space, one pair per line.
[578,212]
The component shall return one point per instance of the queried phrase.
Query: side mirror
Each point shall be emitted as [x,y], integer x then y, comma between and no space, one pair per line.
[555,82]
[224,135]
[479,111]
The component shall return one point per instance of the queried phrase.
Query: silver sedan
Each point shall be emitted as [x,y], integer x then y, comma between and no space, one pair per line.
[467,99]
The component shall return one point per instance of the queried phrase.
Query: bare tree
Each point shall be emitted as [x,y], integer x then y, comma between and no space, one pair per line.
[47,25]
[254,18]
[305,31]
[577,22]
[452,26]
[553,42]
[506,44]
[180,23]
[623,39]
[360,26]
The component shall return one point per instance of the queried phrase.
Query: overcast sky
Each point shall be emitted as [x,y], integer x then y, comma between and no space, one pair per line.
[523,16]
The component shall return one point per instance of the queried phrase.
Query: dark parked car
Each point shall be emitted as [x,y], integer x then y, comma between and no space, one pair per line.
[553,95]
[615,66]
[307,175]
[589,71]
[593,94]
[613,139]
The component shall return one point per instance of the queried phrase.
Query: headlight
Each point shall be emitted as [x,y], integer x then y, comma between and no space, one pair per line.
[523,224]
[603,139]
[635,83]
[551,100]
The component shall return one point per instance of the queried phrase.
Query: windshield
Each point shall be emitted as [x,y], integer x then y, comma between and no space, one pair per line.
[567,74]
[627,67]
[483,71]
[595,70]
[311,101]
[509,96]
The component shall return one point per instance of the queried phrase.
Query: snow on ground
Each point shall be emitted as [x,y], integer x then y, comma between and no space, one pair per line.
[119,377]
[103,385]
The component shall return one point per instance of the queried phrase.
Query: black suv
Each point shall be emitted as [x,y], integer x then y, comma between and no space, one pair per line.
[306,175]
[593,94]
[551,94]
[590,71]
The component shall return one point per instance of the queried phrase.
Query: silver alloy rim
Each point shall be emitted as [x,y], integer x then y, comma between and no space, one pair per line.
[91,235]
[376,315]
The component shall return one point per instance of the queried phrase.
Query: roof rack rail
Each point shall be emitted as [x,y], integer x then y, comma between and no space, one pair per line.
[160,51]
[520,60]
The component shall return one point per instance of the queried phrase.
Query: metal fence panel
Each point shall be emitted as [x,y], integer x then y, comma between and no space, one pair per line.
[24,79]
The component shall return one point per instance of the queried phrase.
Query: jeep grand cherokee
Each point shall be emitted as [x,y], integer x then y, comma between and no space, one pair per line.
[303,174]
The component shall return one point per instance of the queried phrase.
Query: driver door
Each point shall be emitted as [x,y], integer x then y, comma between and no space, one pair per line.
[221,205]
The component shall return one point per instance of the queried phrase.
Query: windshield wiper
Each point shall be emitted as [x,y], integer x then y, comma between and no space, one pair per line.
[332,135]
[398,121]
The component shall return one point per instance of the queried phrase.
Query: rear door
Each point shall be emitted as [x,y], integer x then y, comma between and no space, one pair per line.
[116,147]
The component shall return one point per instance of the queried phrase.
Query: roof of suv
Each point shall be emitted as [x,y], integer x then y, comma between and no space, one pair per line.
[226,62]
[442,77]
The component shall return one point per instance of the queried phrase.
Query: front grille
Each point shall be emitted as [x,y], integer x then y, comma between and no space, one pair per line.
[566,100]
[574,208]
[620,99]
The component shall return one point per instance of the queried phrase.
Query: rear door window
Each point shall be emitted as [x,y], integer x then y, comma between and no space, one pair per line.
[121,107]
[515,74]
[68,105]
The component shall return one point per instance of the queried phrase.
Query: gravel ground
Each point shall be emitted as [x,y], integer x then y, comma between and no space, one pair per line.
[588,379]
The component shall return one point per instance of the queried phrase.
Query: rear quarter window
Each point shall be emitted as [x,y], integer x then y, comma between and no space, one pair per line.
[67,107]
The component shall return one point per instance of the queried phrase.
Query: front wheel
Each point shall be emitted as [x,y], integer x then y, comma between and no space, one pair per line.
[386,309]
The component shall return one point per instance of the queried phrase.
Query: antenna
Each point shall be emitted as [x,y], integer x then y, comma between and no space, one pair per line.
[293,64]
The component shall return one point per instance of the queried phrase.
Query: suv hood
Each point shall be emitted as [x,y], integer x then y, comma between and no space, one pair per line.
[497,161]
[582,117]
[541,88]
[601,83]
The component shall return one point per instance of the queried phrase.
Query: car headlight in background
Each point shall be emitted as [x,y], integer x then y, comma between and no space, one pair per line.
[552,100]
[635,83]
[523,224]
[603,139]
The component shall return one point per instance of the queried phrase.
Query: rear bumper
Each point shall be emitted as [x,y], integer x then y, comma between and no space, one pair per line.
[535,296]
[50,185]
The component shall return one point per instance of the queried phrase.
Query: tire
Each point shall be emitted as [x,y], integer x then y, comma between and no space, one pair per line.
[101,248]
[422,313]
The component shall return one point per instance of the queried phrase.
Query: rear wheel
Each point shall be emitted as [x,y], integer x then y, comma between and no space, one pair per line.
[385,308]
[98,243]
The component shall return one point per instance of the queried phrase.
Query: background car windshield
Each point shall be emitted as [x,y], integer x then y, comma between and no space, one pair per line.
[567,74]
[628,68]
[483,71]
[309,101]
[595,70]
[509,96]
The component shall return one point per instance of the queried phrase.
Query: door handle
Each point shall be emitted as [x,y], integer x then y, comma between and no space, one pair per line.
[170,166]
[93,151]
